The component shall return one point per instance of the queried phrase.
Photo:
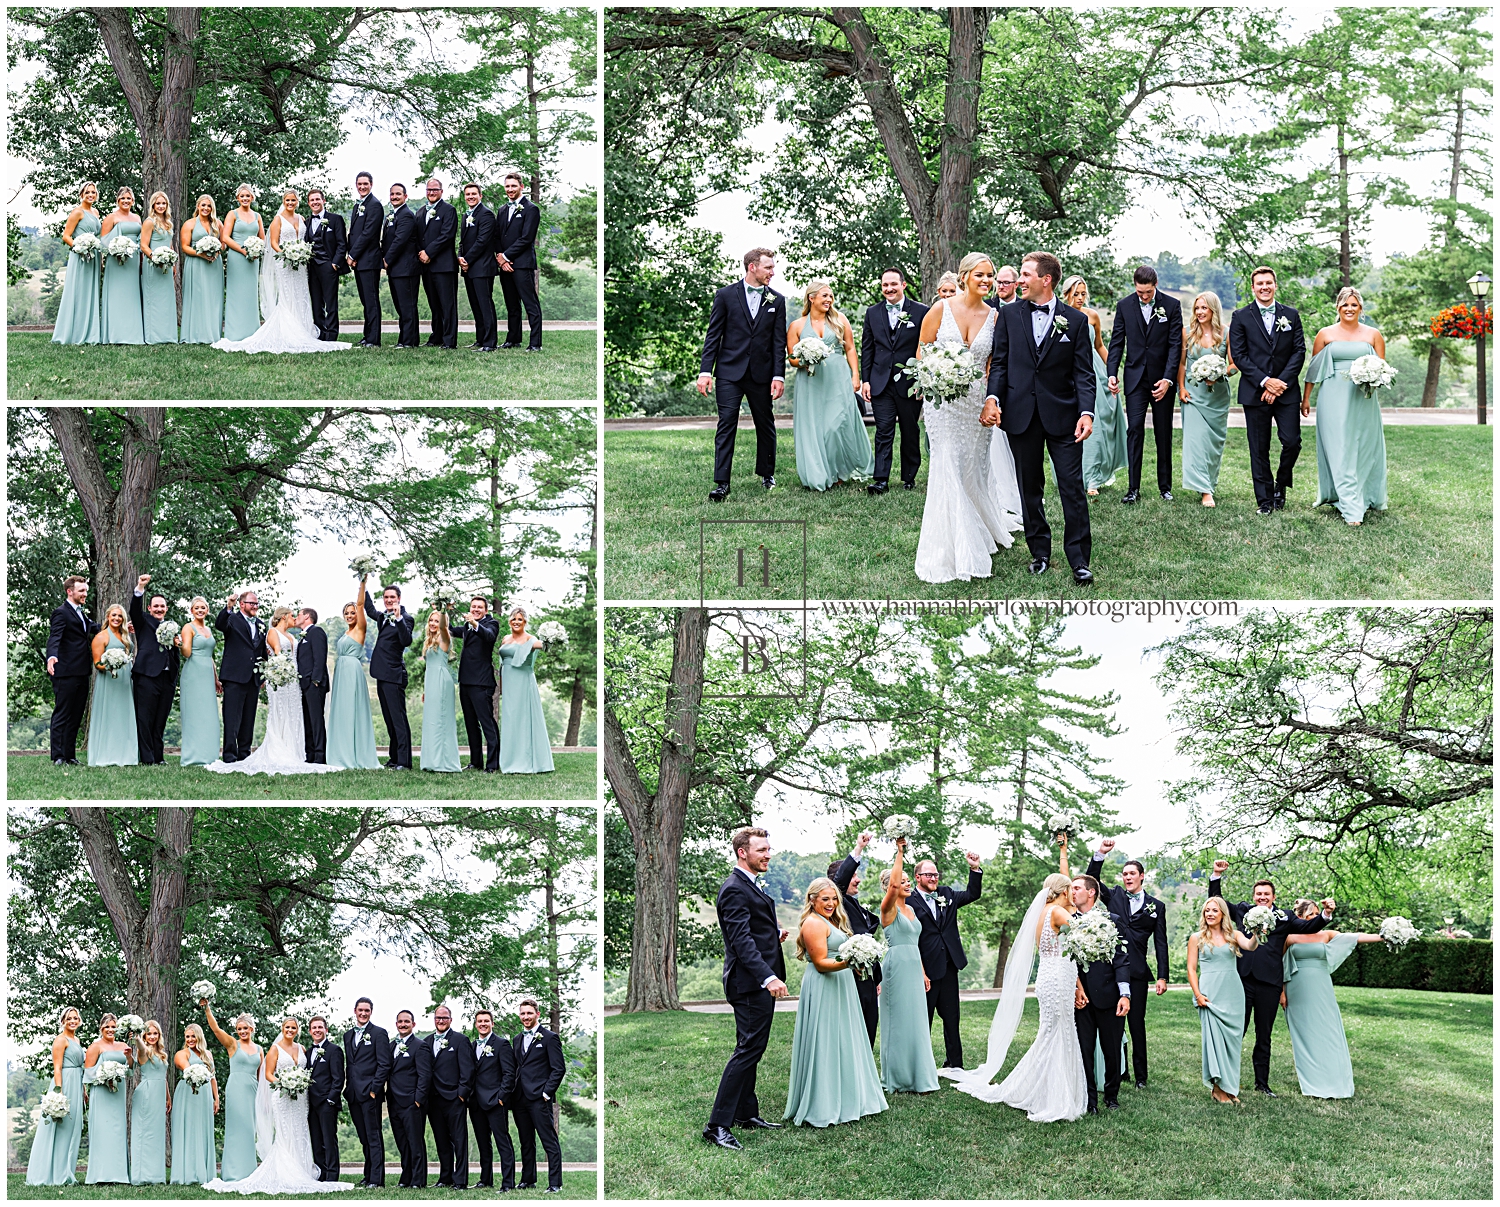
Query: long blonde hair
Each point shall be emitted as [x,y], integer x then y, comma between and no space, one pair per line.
[158,1049]
[442,639]
[839,919]
[840,323]
[1225,927]
[1215,318]
[151,208]
[945,279]
[213,209]
[196,1032]
[968,264]
[123,634]
[1068,286]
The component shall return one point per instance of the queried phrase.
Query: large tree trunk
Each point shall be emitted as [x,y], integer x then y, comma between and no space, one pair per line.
[575,711]
[1346,255]
[1434,353]
[575,708]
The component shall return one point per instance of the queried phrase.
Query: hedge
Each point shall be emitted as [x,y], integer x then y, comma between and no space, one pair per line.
[1442,965]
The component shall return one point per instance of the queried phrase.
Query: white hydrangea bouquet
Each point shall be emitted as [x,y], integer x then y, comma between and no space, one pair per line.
[114,661]
[1090,937]
[551,634]
[1371,373]
[1064,821]
[295,253]
[292,1081]
[1259,920]
[1208,368]
[55,1106]
[129,1024]
[109,1074]
[446,595]
[166,633]
[863,952]
[945,371]
[363,565]
[86,246]
[899,825]
[203,991]
[810,352]
[1398,932]
[197,1076]
[255,247]
[122,247]
[164,257]
[208,245]
[278,671]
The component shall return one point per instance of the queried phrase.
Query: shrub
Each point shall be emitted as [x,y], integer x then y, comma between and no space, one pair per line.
[1440,965]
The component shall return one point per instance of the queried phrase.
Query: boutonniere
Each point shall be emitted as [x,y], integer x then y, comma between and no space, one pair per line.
[483,1050]
[1149,909]
[469,220]
[1279,915]
[317,1055]
[941,900]
[1161,313]
[365,1039]
[400,1048]
[905,320]
[1283,323]
[1060,325]
[438,1045]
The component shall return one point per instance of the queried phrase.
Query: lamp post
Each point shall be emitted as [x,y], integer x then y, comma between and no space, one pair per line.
[1479,286]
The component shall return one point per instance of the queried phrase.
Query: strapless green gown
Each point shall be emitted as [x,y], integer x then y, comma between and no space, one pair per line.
[439,719]
[78,315]
[1104,452]
[351,731]
[906,1061]
[242,287]
[1320,1049]
[202,292]
[159,293]
[120,319]
[54,1151]
[148,1125]
[1223,1019]
[112,717]
[193,1157]
[828,432]
[238,1158]
[108,1160]
[1205,424]
[199,703]
[525,746]
[1351,434]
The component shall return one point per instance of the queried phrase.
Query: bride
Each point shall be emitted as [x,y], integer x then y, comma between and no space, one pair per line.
[973,502]
[284,298]
[282,1141]
[1048,1082]
[283,751]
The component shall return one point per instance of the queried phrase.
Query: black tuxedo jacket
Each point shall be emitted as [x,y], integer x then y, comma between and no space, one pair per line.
[1054,382]
[516,237]
[541,1070]
[939,942]
[476,242]
[453,1067]
[327,1072]
[476,661]
[752,935]
[391,638]
[494,1074]
[1102,979]
[410,1076]
[1264,963]
[366,234]
[736,346]
[401,244]
[331,244]
[882,351]
[241,650]
[69,641]
[150,659]
[312,658]
[1142,927]
[437,224]
[367,1066]
[1258,355]
[861,920]
[1151,351]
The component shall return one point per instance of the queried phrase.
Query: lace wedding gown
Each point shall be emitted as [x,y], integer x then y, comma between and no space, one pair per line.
[283,751]
[287,306]
[973,502]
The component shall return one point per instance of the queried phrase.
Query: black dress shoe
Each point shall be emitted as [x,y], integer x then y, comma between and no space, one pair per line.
[473,344]
[58,762]
[533,349]
[526,1185]
[484,1186]
[1083,576]
[1038,566]
[552,1189]
[508,344]
[1093,1110]
[1166,496]
[877,487]
[769,481]
[1278,500]
[1140,1085]
[1111,1105]
[721,1136]
[1131,496]
[1266,1090]
[756,1121]
[73,763]
[908,486]
[1263,509]
[719,493]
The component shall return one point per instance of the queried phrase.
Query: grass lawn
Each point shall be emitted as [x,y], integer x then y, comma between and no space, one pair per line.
[33,777]
[1418,1127]
[1433,543]
[580,1184]
[38,368]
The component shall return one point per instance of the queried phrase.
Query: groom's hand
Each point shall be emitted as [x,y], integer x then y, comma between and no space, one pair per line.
[1122,1007]
[990,416]
[1114,385]
[777,987]
[778,387]
[1080,998]
[972,860]
[1161,986]
[862,842]
[864,391]
[704,381]
[1159,390]
[1083,428]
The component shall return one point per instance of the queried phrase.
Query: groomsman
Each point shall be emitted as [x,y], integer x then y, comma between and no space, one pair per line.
[892,331]
[1100,1003]
[1150,325]
[539,1074]
[312,672]
[845,874]
[489,1107]
[943,958]
[388,669]
[476,683]
[325,1061]
[1268,347]
[746,347]
[366,232]
[452,1085]
[402,267]
[153,676]
[754,977]
[330,244]
[476,260]
[244,646]
[408,1088]
[440,266]
[515,255]
[70,664]
[1006,279]
[367,1059]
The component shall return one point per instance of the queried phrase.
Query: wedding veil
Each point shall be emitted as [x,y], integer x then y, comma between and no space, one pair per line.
[265,1120]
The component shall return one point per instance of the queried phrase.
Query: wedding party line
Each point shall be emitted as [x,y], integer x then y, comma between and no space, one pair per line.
[891,970]
[281,1102]
[319,716]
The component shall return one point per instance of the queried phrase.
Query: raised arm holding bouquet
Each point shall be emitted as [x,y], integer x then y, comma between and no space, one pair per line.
[906,1061]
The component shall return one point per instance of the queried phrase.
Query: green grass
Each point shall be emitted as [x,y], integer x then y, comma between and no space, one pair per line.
[38,368]
[33,777]
[1419,1125]
[1433,543]
[579,1184]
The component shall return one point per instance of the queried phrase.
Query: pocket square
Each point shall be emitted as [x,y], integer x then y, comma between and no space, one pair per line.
[1063,339]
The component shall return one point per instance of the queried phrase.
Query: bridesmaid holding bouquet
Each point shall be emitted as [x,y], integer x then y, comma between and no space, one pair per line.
[78,316]
[120,320]
[202,277]
[238,1159]
[112,719]
[439,714]
[1205,404]
[148,1110]
[828,432]
[199,702]
[525,747]
[54,1149]
[351,729]
[158,284]
[242,274]
[108,1160]
[906,1061]
[193,1157]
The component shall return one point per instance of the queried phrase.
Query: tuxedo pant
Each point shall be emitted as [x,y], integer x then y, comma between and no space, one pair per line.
[323,1127]
[1262,1000]
[494,1122]
[479,720]
[943,998]
[368,284]
[152,695]
[869,1005]
[404,296]
[481,292]
[409,1130]
[519,288]
[1284,413]
[314,731]
[442,299]
[1137,402]
[450,1134]
[893,406]
[393,709]
[736,1100]
[366,1113]
[1096,1021]
[533,1119]
[240,703]
[323,288]
[70,696]
[1140,987]
[728,395]
[1067,468]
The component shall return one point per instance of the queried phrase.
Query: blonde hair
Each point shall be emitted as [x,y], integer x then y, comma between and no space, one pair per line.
[158,1049]
[194,602]
[123,635]
[948,278]
[885,877]
[151,207]
[213,209]
[107,1018]
[1348,291]
[840,323]
[63,1017]
[1225,927]
[1069,285]
[1305,907]
[1215,318]
[278,612]
[241,187]
[969,263]
[122,190]
[443,639]
[1056,885]
[85,186]
[196,1032]
[840,919]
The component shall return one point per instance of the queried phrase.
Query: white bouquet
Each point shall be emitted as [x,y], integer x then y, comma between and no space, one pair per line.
[1259,920]
[945,372]
[1398,931]
[115,660]
[278,670]
[166,633]
[446,595]
[55,1106]
[255,247]
[363,565]
[129,1024]
[292,1081]
[552,634]
[1209,368]
[1371,373]
[197,1076]
[1065,821]
[863,952]
[203,991]
[109,1074]
[295,254]
[899,825]
[810,352]
[208,245]
[1089,937]
[86,246]
[122,247]
[164,257]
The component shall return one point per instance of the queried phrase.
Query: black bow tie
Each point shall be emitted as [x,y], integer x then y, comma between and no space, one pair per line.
[1034,307]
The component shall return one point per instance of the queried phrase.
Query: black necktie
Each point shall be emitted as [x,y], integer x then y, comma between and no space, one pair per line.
[1034,307]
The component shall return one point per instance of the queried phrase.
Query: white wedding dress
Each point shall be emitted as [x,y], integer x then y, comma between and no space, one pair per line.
[282,1142]
[287,305]
[973,502]
[283,751]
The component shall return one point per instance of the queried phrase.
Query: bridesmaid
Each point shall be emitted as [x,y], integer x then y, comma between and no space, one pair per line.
[54,1151]
[149,1107]
[351,731]
[1205,405]
[242,274]
[238,1158]
[1320,1048]
[525,747]
[1351,435]
[193,1120]
[158,285]
[108,1160]
[1213,952]
[202,278]
[439,722]
[906,1061]
[120,319]
[833,1071]
[828,432]
[78,316]
[1104,451]
[947,285]
[112,719]
[199,703]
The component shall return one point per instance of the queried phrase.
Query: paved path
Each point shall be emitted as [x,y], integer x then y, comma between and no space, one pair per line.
[390,327]
[789,1005]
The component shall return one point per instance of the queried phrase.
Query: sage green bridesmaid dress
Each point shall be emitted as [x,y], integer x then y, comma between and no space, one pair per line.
[112,717]
[1223,1019]
[351,730]
[54,1151]
[1320,1049]
[78,315]
[525,746]
[199,702]
[1104,452]
[192,1131]
[202,292]
[238,1158]
[120,320]
[148,1125]
[1351,434]
[159,293]
[1205,424]
[906,1061]
[108,1157]
[828,432]
[241,288]
[439,719]
[833,1071]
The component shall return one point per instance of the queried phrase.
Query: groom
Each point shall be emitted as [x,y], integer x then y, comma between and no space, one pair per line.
[244,647]
[1147,335]
[1101,1002]
[1268,346]
[367,1057]
[388,669]
[312,673]
[70,664]
[153,676]
[362,255]
[325,1061]
[330,244]
[943,958]
[1041,394]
